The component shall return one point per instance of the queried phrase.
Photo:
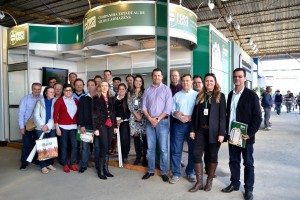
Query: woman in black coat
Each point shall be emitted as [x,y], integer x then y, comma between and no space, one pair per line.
[104,124]
[208,129]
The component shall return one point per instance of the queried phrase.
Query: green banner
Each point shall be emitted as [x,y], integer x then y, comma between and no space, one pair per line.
[118,15]
[42,34]
[70,34]
[17,36]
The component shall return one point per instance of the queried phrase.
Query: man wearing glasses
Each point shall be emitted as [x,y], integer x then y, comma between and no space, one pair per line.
[242,106]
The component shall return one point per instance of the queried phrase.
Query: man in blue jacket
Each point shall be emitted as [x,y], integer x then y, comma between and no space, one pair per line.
[266,103]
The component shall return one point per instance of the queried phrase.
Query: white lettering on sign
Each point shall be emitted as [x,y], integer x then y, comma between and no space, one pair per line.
[16,37]
[89,23]
[182,20]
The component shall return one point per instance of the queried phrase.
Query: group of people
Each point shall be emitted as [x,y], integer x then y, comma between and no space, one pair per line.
[194,110]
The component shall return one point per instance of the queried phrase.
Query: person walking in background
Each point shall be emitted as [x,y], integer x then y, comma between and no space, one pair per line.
[123,115]
[85,122]
[208,128]
[157,105]
[278,102]
[43,119]
[65,120]
[137,121]
[104,124]
[242,106]
[26,109]
[183,104]
[288,101]
[298,101]
[266,103]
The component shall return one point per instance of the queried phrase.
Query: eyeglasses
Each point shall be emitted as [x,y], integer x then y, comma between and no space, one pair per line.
[67,90]
[238,76]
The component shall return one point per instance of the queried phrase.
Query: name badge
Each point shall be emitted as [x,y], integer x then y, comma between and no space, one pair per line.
[136,102]
[205,112]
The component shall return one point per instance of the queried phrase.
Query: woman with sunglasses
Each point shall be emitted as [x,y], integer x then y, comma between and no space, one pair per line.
[208,129]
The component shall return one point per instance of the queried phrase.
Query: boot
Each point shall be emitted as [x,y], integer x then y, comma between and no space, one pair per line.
[105,167]
[199,176]
[211,172]
[101,174]
[137,146]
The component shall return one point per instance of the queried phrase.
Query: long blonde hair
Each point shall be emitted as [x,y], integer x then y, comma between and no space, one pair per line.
[99,90]
[216,92]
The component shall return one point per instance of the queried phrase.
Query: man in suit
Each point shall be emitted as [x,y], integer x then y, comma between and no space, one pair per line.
[242,106]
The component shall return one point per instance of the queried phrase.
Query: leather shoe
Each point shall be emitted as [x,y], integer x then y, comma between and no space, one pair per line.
[165,178]
[248,195]
[229,189]
[147,175]
[82,169]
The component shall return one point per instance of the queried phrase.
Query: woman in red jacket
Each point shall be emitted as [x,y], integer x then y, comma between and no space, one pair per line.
[104,123]
[65,119]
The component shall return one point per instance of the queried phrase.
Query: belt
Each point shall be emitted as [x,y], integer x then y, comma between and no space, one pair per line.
[177,121]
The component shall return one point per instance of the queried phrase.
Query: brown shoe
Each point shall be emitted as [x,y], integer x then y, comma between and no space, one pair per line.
[199,176]
[211,172]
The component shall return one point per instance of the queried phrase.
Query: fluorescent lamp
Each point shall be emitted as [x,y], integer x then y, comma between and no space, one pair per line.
[211,4]
[229,19]
[237,26]
[2,15]
[250,41]
[254,47]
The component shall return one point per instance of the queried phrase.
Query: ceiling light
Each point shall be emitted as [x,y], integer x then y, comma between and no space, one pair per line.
[229,19]
[237,26]
[211,4]
[256,50]
[254,47]
[250,41]
[2,15]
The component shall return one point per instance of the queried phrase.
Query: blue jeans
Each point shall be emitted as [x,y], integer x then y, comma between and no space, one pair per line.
[158,134]
[181,132]
[28,140]
[71,136]
[86,150]
[267,116]
[234,165]
[278,108]
[52,133]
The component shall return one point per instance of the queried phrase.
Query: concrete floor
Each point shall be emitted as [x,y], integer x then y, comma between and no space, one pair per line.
[277,170]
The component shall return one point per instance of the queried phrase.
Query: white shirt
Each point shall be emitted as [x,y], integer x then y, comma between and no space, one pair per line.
[72,109]
[234,102]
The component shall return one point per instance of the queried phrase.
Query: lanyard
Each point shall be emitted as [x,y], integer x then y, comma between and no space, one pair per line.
[207,99]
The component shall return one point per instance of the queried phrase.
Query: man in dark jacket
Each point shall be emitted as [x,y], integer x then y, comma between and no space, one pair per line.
[84,120]
[266,103]
[242,106]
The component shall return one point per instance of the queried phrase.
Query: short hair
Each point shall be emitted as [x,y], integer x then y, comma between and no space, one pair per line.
[36,84]
[129,75]
[157,70]
[73,73]
[97,76]
[57,84]
[122,84]
[198,76]
[240,69]
[66,86]
[117,79]
[51,78]
[107,70]
[91,80]
[46,90]
[79,79]
[185,75]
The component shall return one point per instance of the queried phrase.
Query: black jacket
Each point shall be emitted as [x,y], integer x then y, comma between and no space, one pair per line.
[100,112]
[248,111]
[217,119]
[84,115]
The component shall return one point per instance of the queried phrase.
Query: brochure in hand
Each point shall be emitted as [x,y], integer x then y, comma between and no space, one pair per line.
[87,137]
[235,136]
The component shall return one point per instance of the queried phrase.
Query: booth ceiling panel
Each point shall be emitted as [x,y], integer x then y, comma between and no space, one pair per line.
[271,24]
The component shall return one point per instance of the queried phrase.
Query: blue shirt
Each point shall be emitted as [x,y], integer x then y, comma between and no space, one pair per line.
[26,107]
[76,96]
[184,102]
[157,100]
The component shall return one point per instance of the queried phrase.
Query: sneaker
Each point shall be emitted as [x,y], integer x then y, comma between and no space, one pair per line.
[268,128]
[66,169]
[174,179]
[73,167]
[45,170]
[51,167]
[23,167]
[191,178]
[165,178]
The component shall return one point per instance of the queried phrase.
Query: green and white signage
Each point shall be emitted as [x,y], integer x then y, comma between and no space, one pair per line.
[17,36]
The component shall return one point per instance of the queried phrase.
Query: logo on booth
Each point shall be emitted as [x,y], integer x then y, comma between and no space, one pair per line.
[16,36]
[89,23]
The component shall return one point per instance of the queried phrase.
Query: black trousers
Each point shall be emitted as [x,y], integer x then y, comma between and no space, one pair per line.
[125,138]
[201,144]
[105,137]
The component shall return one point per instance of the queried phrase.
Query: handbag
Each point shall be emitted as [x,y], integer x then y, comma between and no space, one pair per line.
[108,122]
[30,125]
[47,148]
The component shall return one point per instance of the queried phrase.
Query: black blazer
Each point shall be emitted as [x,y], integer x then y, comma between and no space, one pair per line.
[100,112]
[217,119]
[248,111]
[84,116]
